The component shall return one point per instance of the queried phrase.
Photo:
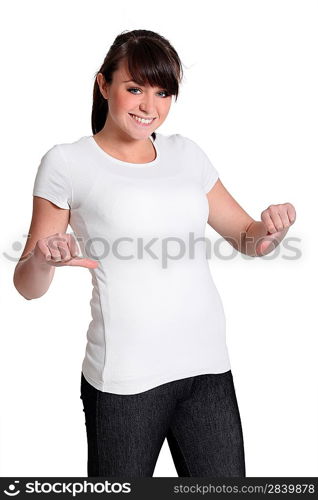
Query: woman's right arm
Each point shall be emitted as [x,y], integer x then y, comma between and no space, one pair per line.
[33,274]
[48,246]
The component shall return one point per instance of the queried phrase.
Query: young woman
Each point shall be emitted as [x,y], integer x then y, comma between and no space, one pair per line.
[156,362]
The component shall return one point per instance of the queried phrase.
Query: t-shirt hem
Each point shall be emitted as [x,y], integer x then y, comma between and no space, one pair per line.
[210,185]
[51,198]
[129,387]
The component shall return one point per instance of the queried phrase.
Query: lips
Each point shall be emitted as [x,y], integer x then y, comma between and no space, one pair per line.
[139,123]
[144,117]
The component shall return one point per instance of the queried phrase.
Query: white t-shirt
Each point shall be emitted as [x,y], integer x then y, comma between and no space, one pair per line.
[156,313]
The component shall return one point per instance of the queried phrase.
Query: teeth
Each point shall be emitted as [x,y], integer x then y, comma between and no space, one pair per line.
[142,120]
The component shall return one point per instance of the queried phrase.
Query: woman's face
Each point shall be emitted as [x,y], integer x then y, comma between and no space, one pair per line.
[126,98]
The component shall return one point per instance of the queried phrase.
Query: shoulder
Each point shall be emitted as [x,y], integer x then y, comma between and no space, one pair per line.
[171,138]
[56,160]
[62,150]
[178,142]
[71,148]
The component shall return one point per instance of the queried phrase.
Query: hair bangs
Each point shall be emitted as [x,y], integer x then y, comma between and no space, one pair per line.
[148,64]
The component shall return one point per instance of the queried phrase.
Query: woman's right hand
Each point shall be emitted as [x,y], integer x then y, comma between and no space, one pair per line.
[60,249]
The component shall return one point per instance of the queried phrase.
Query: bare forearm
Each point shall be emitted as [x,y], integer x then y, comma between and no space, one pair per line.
[32,278]
[255,234]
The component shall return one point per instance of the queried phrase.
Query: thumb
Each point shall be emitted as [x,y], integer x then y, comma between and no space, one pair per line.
[82,262]
[265,243]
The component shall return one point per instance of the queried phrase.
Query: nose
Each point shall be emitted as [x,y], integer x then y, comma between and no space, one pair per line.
[147,105]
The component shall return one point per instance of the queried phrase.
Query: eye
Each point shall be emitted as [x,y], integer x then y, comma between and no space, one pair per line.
[135,88]
[132,89]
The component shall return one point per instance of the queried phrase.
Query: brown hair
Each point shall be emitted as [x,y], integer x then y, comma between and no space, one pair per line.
[150,60]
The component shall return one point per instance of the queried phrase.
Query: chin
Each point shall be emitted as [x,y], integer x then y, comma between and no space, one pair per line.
[141,135]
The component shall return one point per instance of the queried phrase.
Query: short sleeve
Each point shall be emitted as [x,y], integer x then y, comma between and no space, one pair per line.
[206,170]
[209,175]
[52,179]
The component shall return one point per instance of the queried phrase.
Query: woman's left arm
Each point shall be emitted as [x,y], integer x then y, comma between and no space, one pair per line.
[246,235]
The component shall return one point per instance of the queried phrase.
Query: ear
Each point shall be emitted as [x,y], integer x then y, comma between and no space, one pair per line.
[102,85]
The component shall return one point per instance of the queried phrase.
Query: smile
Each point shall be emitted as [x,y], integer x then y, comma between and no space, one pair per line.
[144,122]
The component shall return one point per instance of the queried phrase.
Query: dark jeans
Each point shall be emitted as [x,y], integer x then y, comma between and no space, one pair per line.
[198,415]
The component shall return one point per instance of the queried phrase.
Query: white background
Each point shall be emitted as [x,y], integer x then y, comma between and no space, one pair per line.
[249,99]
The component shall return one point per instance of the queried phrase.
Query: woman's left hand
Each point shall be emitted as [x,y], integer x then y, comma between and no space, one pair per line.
[277,219]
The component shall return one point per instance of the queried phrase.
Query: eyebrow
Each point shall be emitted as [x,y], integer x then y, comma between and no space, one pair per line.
[133,81]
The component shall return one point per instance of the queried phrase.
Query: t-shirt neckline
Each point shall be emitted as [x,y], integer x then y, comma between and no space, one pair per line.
[125,163]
